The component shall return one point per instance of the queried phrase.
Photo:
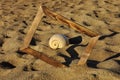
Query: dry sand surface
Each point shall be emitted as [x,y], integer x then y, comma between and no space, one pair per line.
[102,16]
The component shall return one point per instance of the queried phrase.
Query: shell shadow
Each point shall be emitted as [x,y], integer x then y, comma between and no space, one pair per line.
[73,53]
[75,40]
[71,50]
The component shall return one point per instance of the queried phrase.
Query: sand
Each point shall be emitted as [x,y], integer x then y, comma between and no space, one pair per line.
[102,16]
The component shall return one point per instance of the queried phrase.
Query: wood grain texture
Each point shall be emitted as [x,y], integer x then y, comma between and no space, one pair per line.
[71,24]
[88,50]
[43,57]
[33,28]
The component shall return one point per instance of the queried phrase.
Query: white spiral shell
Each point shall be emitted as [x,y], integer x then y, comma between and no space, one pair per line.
[58,41]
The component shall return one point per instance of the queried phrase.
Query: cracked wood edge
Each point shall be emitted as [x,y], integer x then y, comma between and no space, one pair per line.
[43,57]
[73,25]
[88,50]
[33,28]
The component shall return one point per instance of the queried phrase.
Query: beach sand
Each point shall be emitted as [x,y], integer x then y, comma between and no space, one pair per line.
[101,16]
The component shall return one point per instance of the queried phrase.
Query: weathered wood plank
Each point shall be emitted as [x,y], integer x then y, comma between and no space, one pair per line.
[33,28]
[43,57]
[88,50]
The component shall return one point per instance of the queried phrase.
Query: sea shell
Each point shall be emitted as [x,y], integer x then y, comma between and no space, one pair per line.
[58,41]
